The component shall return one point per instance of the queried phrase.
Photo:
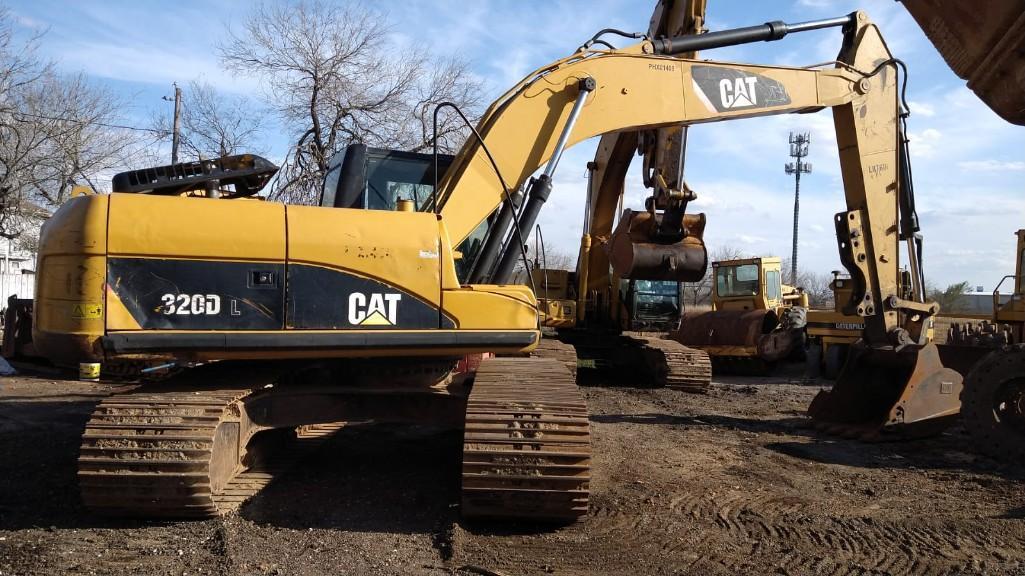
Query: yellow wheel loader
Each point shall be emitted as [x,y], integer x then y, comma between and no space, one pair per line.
[755,319]
[306,315]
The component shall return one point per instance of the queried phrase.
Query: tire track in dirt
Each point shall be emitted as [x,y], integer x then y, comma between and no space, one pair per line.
[818,543]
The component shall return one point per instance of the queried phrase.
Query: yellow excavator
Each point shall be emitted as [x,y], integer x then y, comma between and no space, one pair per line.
[755,319]
[345,314]
[591,312]
[830,332]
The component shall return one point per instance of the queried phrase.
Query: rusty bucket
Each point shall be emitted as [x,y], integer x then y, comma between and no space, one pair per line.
[909,393]
[634,251]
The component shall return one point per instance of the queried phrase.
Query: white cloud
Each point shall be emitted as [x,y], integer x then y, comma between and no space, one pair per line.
[749,239]
[922,109]
[923,144]
[990,165]
[153,64]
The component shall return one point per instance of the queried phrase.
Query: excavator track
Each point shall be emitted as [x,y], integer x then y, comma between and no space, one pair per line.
[552,347]
[676,366]
[179,454]
[526,444]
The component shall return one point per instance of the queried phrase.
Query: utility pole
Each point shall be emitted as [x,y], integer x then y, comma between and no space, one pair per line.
[176,131]
[798,149]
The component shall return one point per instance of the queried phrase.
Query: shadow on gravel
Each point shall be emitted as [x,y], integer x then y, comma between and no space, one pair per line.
[797,425]
[370,478]
[512,528]
[39,443]
[951,450]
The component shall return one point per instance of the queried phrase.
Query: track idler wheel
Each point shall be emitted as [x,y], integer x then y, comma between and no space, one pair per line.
[908,392]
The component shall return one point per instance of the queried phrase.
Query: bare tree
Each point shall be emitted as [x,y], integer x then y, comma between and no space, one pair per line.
[56,132]
[334,75]
[814,284]
[550,259]
[214,124]
[700,293]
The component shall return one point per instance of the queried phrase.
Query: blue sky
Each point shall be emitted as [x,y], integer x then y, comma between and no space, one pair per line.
[969,165]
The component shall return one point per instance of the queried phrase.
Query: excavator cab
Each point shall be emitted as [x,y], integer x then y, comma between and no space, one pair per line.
[747,284]
[1013,310]
[557,305]
[652,305]
[359,176]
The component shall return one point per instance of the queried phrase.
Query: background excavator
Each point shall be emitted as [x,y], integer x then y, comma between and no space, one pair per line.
[595,314]
[340,318]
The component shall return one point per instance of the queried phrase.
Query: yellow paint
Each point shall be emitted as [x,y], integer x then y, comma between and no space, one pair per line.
[375,319]
[89,371]
[201,228]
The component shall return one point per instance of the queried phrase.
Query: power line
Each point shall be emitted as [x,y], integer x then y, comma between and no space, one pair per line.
[91,122]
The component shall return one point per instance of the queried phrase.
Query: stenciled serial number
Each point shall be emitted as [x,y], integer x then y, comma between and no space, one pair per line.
[191,304]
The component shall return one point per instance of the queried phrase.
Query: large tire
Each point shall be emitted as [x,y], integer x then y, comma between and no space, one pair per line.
[799,352]
[836,357]
[813,359]
[993,404]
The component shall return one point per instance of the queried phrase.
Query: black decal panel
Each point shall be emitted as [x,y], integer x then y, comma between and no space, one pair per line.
[325,299]
[727,89]
[199,295]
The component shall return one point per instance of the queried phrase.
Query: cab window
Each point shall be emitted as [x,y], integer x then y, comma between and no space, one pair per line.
[731,281]
[772,285]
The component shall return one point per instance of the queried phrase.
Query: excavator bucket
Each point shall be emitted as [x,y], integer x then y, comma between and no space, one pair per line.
[635,251]
[983,43]
[908,393]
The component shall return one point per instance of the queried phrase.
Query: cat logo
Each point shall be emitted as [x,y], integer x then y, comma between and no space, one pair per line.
[723,89]
[738,92]
[374,310]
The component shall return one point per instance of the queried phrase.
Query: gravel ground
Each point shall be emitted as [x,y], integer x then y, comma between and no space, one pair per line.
[727,483]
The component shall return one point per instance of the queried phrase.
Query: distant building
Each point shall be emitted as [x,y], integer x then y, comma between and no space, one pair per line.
[975,303]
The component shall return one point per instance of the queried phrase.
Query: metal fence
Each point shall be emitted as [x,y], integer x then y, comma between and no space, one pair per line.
[22,285]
